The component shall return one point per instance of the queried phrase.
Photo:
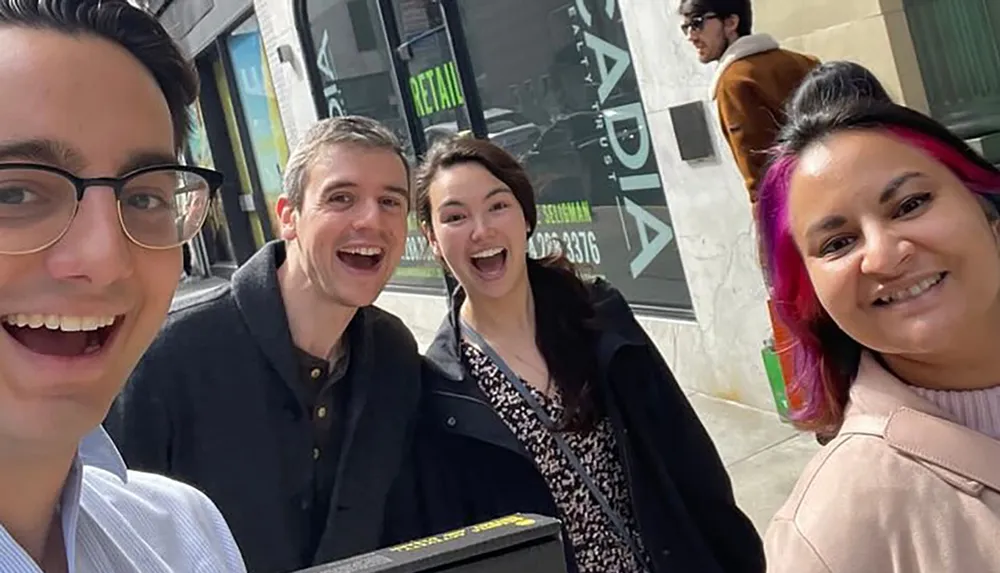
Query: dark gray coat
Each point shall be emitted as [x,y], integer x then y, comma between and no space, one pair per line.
[212,404]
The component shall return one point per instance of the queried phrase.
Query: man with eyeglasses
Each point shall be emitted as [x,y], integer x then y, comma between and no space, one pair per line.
[93,212]
[754,78]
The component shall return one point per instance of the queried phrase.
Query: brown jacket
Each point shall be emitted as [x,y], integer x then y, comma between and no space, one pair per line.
[901,489]
[751,84]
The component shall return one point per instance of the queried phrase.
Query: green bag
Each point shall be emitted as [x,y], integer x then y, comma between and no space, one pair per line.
[772,365]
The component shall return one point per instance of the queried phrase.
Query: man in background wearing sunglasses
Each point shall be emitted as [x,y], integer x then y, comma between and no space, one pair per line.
[93,212]
[753,79]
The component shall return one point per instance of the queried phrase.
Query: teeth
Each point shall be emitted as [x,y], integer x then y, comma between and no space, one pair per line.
[488,253]
[57,322]
[913,291]
[366,251]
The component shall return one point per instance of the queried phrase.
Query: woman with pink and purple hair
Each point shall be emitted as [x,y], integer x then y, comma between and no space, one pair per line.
[881,237]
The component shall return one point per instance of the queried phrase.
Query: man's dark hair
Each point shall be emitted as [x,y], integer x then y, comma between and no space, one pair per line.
[832,81]
[131,28]
[722,9]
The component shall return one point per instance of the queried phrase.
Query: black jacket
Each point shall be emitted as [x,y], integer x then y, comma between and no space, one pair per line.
[212,404]
[475,469]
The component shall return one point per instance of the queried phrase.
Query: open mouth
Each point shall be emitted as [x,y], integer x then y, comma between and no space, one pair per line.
[490,262]
[911,292]
[361,258]
[64,336]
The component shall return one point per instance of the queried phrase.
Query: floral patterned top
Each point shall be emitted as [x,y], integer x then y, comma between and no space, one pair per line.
[595,541]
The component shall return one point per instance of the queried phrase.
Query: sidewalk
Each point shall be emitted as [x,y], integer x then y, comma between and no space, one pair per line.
[764,456]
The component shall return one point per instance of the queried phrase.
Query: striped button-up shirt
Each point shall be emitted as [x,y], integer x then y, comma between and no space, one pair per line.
[120,521]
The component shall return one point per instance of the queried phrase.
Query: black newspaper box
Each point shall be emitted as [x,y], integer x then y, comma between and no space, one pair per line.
[519,543]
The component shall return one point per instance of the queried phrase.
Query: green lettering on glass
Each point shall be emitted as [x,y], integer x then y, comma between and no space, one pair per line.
[455,84]
[417,99]
[424,95]
[443,88]
[436,89]
[428,76]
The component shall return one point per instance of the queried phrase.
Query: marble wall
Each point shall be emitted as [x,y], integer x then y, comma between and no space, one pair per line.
[872,32]
[719,352]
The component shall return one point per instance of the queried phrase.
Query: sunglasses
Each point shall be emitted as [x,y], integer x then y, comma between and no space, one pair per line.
[697,23]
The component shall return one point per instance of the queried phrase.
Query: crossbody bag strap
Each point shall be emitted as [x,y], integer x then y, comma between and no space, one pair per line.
[616,520]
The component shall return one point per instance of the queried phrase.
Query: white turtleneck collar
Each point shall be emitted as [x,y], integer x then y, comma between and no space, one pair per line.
[743,47]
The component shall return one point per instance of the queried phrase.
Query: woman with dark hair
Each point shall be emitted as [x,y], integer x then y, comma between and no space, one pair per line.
[553,398]
[882,242]
[832,81]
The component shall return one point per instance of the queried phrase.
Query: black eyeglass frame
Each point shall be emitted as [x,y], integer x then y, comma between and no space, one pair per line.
[697,22]
[213,178]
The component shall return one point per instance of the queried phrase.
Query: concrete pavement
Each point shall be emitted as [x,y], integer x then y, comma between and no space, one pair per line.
[764,456]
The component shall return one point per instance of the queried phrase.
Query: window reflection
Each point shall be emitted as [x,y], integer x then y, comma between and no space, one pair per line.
[559,92]
[352,62]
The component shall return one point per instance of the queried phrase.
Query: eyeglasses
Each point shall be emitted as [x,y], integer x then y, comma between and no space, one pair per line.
[159,207]
[697,23]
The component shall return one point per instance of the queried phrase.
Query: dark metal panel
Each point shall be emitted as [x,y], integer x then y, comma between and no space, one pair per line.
[463,61]
[401,74]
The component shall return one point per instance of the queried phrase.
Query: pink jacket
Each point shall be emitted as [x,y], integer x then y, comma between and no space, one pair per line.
[901,489]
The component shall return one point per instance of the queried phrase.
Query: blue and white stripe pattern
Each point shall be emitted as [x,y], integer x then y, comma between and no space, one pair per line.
[120,521]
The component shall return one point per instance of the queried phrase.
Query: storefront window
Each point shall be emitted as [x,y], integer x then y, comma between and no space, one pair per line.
[434,84]
[352,63]
[561,94]
[259,107]
[558,91]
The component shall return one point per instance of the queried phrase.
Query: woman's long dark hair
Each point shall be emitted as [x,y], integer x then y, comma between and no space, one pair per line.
[565,331]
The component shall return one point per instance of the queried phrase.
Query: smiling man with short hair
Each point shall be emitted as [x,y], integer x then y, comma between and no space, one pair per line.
[285,396]
[93,212]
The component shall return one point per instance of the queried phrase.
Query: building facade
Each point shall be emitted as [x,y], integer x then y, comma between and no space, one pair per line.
[603,100]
